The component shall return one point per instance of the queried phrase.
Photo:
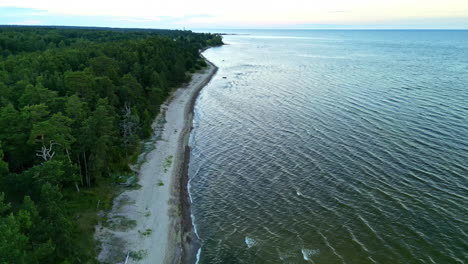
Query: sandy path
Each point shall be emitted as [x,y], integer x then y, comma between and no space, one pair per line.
[148,220]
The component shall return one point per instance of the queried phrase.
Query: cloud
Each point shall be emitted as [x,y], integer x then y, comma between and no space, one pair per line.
[29,16]
[169,20]
[11,11]
[139,20]
[339,11]
[27,22]
[239,13]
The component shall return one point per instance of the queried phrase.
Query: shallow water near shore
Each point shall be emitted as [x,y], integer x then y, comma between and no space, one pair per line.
[333,147]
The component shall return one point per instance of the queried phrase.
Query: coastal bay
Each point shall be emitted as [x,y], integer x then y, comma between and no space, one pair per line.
[256,132]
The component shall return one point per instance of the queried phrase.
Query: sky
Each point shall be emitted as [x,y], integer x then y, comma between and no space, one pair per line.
[242,14]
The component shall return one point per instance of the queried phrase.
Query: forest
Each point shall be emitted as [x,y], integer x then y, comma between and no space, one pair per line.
[75,105]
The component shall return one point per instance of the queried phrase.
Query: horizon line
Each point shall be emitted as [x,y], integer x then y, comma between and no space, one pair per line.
[208,28]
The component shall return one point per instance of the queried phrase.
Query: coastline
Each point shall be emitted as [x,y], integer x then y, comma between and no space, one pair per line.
[189,239]
[152,223]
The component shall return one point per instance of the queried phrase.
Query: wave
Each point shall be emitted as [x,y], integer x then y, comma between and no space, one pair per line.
[250,242]
[309,253]
[361,154]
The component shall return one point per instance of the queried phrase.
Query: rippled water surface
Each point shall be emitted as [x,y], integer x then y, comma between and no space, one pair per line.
[333,147]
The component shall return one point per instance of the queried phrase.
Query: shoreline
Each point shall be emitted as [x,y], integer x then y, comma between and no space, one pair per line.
[189,239]
[152,223]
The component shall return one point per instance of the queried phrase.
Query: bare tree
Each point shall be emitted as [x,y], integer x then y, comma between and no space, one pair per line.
[47,153]
[87,176]
[128,126]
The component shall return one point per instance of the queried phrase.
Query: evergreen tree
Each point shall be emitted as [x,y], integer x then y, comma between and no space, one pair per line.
[99,136]
[74,103]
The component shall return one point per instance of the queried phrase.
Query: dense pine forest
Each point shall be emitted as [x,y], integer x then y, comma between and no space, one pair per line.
[75,104]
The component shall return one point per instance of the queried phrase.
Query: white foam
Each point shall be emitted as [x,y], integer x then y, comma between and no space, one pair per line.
[195,230]
[250,242]
[198,256]
[308,253]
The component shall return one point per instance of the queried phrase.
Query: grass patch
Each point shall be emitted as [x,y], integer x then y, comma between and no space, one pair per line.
[120,223]
[84,206]
[167,163]
[202,63]
[138,255]
[147,232]
[125,200]
[136,152]
[127,179]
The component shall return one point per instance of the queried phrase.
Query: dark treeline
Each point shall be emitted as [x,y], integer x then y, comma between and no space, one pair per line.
[74,105]
[17,39]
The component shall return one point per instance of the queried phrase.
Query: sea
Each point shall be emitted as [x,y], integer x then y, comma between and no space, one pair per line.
[333,146]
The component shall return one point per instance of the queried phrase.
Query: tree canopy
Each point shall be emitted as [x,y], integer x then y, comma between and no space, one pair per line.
[74,105]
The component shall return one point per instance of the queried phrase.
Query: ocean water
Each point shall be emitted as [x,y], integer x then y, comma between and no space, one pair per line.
[333,147]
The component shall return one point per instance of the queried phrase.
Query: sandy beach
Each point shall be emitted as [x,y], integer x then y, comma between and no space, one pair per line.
[151,223]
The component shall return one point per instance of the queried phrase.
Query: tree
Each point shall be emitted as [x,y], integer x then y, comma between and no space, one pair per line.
[99,136]
[3,164]
[42,246]
[37,95]
[13,242]
[106,89]
[54,130]
[6,94]
[33,114]
[14,135]
[76,109]
[76,96]
[80,83]
[104,66]
[55,223]
[4,207]
[128,126]
[130,91]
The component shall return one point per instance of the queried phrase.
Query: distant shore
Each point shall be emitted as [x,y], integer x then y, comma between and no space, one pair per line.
[159,226]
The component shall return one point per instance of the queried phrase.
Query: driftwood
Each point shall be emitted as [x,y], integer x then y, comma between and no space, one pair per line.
[126,259]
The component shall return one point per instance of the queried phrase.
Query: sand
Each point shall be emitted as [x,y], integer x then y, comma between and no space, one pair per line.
[151,223]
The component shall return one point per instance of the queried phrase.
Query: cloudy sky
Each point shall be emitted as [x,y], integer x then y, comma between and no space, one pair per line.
[200,14]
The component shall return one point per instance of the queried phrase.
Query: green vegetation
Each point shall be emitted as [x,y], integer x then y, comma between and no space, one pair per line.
[167,163]
[75,104]
[120,223]
[147,232]
[138,255]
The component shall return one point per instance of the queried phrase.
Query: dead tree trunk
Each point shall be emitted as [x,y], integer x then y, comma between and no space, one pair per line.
[88,181]
[79,166]
[68,155]
[46,153]
[128,126]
